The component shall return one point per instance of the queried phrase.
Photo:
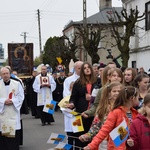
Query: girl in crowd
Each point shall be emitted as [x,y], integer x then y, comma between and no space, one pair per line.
[140,128]
[129,75]
[122,109]
[115,75]
[109,95]
[80,98]
[91,112]
[109,75]
[141,81]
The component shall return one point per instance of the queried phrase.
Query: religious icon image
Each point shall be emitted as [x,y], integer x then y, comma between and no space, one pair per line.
[77,122]
[44,80]
[123,132]
[50,106]
[20,57]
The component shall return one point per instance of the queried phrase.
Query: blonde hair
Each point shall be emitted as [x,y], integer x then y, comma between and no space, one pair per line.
[105,75]
[104,100]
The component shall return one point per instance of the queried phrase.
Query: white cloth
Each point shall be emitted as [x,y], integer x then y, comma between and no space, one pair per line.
[94,92]
[66,92]
[44,93]
[11,112]
[103,145]
[67,82]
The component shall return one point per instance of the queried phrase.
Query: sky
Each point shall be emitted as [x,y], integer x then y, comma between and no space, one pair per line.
[19,16]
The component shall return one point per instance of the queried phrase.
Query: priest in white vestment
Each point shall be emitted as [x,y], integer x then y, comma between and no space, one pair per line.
[67,91]
[11,99]
[44,85]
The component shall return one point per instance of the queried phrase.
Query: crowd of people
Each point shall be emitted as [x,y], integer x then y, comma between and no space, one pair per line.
[104,94]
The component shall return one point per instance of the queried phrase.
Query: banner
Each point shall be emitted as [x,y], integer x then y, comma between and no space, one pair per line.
[20,57]
[62,146]
[56,138]
[77,125]
[120,133]
[49,107]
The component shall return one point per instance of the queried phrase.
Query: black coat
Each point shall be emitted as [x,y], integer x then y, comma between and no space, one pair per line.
[78,98]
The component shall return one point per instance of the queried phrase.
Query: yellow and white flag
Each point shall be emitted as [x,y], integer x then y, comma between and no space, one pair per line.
[77,125]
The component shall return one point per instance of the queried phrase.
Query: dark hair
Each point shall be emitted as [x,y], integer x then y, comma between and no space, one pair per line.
[125,94]
[101,66]
[139,78]
[83,80]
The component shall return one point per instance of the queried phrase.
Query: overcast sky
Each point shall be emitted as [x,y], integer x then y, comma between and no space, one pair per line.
[19,16]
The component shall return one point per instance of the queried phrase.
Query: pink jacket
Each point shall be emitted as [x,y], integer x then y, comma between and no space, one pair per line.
[114,118]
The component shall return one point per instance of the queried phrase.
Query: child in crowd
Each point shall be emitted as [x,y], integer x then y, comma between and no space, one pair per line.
[141,81]
[109,75]
[109,95]
[140,128]
[129,75]
[122,109]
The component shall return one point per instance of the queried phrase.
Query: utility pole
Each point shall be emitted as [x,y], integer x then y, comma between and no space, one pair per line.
[40,42]
[84,26]
[24,34]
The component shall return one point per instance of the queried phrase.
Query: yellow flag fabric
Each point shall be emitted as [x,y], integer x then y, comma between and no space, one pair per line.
[59,60]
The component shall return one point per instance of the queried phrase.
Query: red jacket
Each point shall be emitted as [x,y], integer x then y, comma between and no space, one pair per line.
[140,133]
[114,119]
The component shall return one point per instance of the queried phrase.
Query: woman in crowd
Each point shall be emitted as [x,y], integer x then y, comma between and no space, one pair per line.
[129,75]
[109,75]
[141,82]
[80,98]
[109,95]
[122,110]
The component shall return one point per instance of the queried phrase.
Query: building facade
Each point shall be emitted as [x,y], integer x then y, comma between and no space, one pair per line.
[139,43]
[100,18]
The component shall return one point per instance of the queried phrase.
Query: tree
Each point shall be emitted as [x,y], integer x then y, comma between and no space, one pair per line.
[68,51]
[6,62]
[123,40]
[56,47]
[91,37]
[37,61]
[51,52]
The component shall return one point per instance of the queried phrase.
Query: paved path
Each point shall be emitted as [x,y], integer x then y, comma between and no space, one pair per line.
[36,136]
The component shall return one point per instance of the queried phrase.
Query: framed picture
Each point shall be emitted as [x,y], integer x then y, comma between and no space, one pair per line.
[44,80]
[20,57]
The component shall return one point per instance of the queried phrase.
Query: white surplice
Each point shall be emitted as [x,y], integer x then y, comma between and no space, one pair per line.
[10,114]
[45,93]
[66,92]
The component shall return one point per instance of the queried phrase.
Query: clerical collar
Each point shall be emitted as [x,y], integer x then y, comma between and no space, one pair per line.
[44,75]
[7,82]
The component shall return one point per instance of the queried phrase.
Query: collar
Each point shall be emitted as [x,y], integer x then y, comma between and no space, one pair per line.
[43,75]
[7,82]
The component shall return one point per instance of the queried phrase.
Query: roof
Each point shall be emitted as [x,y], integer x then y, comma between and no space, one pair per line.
[100,17]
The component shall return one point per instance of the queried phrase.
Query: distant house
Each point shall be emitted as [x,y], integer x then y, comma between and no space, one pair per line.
[94,20]
[140,43]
